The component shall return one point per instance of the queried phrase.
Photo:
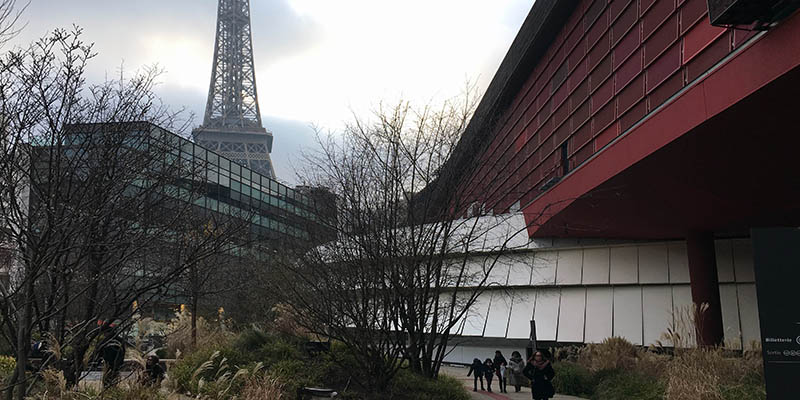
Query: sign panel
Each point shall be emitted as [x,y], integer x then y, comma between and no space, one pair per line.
[776,253]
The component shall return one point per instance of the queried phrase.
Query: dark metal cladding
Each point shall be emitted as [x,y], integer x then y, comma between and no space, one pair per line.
[232,123]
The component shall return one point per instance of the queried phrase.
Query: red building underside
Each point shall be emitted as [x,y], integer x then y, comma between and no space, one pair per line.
[717,159]
[722,156]
[637,119]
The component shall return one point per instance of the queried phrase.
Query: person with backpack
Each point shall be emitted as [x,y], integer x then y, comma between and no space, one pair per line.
[477,369]
[515,366]
[112,351]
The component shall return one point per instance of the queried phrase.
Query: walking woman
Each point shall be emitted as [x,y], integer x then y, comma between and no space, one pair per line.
[488,372]
[541,373]
[499,361]
[515,367]
[477,369]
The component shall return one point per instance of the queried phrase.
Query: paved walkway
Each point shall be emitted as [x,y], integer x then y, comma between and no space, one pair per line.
[460,373]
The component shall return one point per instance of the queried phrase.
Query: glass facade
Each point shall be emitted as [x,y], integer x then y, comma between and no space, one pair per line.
[233,189]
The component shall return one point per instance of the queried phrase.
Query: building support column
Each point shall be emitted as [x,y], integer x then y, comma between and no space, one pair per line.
[705,287]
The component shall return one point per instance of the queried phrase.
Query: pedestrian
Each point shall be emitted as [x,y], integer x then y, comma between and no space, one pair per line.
[488,372]
[477,369]
[515,367]
[112,350]
[503,375]
[153,372]
[541,374]
[498,361]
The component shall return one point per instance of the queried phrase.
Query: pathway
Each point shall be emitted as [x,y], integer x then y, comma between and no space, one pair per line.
[460,373]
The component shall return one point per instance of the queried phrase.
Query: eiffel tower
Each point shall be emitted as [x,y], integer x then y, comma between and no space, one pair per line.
[232,123]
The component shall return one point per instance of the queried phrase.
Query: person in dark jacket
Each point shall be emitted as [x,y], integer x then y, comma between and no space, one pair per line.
[112,351]
[499,361]
[153,372]
[488,372]
[541,374]
[477,369]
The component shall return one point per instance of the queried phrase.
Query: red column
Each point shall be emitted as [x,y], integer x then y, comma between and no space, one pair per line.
[705,287]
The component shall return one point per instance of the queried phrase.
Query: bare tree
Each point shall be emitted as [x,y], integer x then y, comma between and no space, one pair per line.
[399,278]
[102,207]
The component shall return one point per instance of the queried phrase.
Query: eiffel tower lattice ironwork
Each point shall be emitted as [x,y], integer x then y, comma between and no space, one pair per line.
[232,123]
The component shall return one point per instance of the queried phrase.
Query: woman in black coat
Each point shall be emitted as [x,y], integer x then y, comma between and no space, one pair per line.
[488,373]
[498,361]
[541,374]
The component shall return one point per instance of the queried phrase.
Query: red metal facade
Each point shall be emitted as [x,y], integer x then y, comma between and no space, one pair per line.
[614,62]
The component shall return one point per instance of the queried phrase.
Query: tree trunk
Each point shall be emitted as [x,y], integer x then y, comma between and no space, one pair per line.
[194,319]
[23,339]
[194,282]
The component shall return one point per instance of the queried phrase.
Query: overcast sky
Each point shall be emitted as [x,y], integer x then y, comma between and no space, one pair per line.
[316,60]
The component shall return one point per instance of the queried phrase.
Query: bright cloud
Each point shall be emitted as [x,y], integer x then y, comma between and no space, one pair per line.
[316,60]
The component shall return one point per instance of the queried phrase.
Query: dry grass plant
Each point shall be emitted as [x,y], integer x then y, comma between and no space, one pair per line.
[697,372]
[263,388]
[216,378]
[612,353]
[179,333]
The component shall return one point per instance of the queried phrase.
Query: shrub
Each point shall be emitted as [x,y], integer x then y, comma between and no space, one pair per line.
[625,385]
[263,387]
[573,379]
[7,366]
[613,353]
[182,374]
[277,349]
[709,374]
[129,393]
[295,374]
[179,334]
[566,353]
[251,340]
[410,386]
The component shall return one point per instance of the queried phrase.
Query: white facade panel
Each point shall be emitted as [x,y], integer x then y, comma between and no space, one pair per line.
[628,313]
[595,266]
[748,310]
[678,263]
[519,273]
[730,316]
[472,270]
[545,313]
[544,268]
[653,265]
[683,310]
[475,319]
[499,311]
[724,252]
[519,325]
[570,264]
[656,313]
[571,315]
[624,265]
[444,312]
[743,260]
[455,354]
[498,268]
[466,353]
[599,314]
